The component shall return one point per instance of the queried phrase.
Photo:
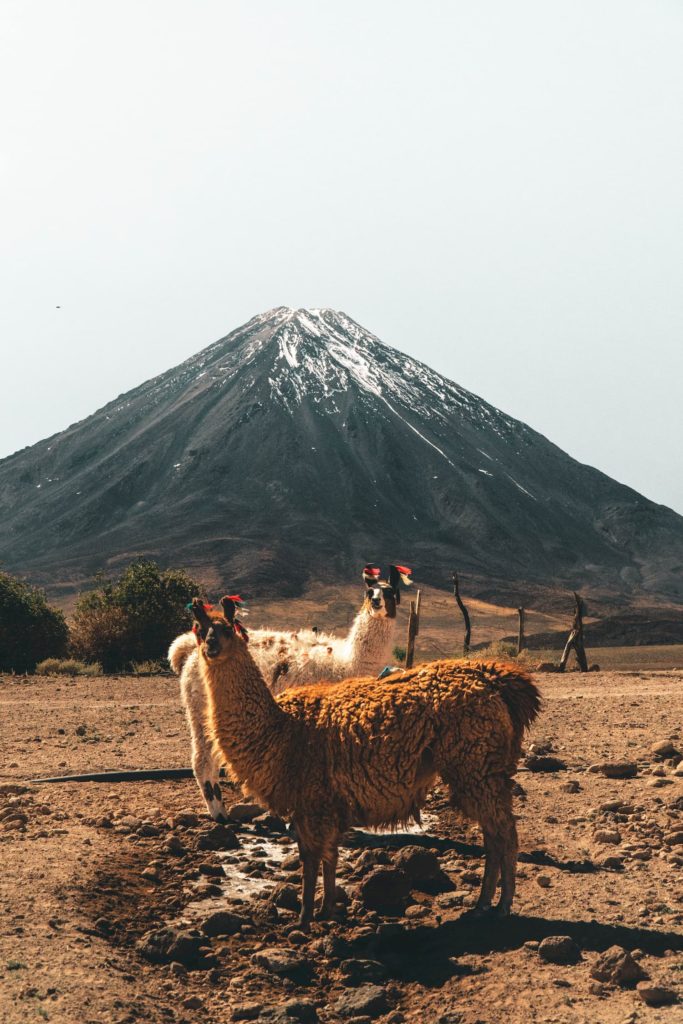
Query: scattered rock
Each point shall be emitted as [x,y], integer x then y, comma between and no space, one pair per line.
[174,846]
[164,945]
[544,881]
[423,869]
[559,949]
[222,922]
[244,813]
[656,995]
[271,823]
[286,897]
[386,890]
[544,763]
[80,730]
[366,1001]
[617,967]
[284,962]
[663,749]
[358,972]
[220,837]
[607,835]
[193,1003]
[248,1011]
[572,786]
[615,769]
[613,862]
[211,870]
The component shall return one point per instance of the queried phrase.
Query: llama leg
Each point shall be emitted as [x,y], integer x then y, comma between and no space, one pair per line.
[309,873]
[329,884]
[493,853]
[509,866]
[204,765]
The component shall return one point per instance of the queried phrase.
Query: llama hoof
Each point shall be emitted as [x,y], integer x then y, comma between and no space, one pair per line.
[305,923]
[325,913]
[478,912]
[503,910]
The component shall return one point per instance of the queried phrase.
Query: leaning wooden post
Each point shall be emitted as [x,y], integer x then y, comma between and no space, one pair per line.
[521,639]
[465,614]
[575,639]
[413,628]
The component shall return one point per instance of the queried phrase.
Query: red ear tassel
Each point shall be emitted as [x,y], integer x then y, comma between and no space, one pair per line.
[234,597]
[371,570]
[402,568]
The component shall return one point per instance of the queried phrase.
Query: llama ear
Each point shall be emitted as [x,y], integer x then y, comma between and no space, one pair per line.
[229,606]
[198,609]
[399,574]
[371,575]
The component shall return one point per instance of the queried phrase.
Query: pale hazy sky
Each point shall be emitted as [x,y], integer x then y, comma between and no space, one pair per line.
[493,187]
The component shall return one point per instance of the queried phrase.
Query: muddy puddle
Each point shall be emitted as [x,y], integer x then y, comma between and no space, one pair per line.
[252,872]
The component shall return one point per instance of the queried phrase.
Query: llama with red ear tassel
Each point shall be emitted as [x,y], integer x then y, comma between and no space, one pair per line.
[288,659]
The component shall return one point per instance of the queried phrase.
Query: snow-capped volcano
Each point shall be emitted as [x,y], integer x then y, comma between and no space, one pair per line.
[301,445]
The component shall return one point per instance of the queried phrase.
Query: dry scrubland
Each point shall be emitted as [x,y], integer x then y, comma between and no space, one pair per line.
[90,869]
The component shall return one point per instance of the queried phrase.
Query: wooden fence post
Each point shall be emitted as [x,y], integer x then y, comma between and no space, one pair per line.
[413,628]
[521,639]
[465,614]
[575,639]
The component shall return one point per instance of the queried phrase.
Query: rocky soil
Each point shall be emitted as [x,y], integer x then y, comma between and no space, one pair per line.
[123,902]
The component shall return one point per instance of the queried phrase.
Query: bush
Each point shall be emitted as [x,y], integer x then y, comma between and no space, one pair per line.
[150,668]
[30,628]
[399,654]
[67,667]
[135,618]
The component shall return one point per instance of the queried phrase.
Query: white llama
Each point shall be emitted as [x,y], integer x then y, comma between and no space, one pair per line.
[288,659]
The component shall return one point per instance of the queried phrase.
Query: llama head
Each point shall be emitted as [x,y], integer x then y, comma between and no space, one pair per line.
[218,631]
[382,596]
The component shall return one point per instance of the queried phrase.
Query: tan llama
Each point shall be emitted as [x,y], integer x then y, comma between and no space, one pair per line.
[367,751]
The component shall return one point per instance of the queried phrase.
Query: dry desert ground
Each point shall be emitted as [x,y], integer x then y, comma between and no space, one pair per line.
[122,902]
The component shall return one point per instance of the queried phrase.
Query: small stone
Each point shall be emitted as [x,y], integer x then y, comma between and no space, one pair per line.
[544,881]
[663,749]
[80,730]
[184,819]
[148,829]
[607,835]
[174,846]
[222,922]
[559,949]
[572,786]
[656,995]
[283,962]
[386,890]
[244,812]
[163,945]
[248,1011]
[286,897]
[544,763]
[613,862]
[617,967]
[220,837]
[368,1000]
[193,1003]
[615,769]
[356,972]
[301,1010]
[211,870]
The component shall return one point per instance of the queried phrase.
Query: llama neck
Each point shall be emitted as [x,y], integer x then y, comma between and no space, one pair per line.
[248,727]
[368,645]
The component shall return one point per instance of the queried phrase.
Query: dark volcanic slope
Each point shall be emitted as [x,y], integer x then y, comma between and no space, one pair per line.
[299,445]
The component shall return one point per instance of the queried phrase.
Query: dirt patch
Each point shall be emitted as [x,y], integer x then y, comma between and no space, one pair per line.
[91,871]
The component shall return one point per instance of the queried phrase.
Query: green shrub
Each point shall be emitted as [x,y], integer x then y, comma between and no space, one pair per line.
[134,618]
[67,667]
[30,628]
[399,654]
[150,668]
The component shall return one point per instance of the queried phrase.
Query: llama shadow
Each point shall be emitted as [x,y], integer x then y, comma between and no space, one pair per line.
[425,954]
[358,839]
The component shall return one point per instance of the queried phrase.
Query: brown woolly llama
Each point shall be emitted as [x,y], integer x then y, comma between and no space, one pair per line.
[366,752]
